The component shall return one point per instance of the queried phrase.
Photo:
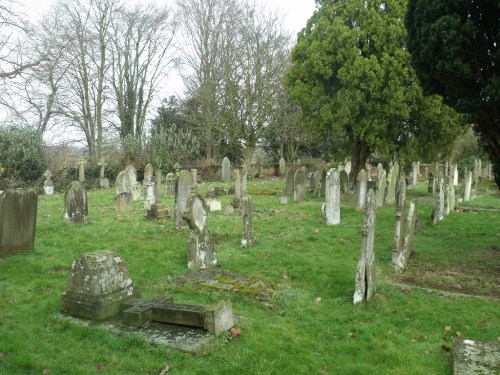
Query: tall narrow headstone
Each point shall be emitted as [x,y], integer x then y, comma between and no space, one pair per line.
[390,196]
[149,185]
[244,179]
[381,187]
[455,175]
[467,186]
[170,182]
[414,174]
[148,173]
[441,197]
[282,167]
[103,181]
[18,210]
[290,186]
[403,256]
[80,163]
[347,168]
[366,273]
[368,168]
[331,207]
[246,212]
[226,169]
[182,189]
[362,189]
[157,210]
[136,188]
[75,204]
[399,227]
[344,181]
[237,183]
[48,185]
[380,168]
[200,247]
[451,192]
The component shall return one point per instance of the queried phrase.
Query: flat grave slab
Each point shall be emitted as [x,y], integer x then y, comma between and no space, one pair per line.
[476,357]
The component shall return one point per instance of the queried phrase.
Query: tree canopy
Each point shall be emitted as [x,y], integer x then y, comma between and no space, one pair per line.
[454,47]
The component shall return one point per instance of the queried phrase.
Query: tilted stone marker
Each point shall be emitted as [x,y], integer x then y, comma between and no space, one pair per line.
[200,247]
[282,167]
[18,210]
[103,181]
[76,209]
[48,185]
[122,184]
[80,164]
[467,186]
[331,207]
[124,202]
[183,186]
[226,169]
[246,213]
[98,286]
[362,189]
[366,273]
[399,227]
[475,357]
[402,257]
[381,187]
[131,175]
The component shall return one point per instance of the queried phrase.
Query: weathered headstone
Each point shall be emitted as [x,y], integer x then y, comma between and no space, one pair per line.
[366,273]
[390,196]
[237,183]
[402,257]
[80,164]
[290,185]
[399,227]
[103,181]
[475,357]
[182,189]
[441,197]
[122,184]
[98,286]
[299,178]
[381,187]
[318,177]
[124,202]
[246,213]
[331,207]
[157,211]
[283,200]
[414,174]
[170,182]
[312,182]
[451,193]
[344,181]
[244,179]
[380,168]
[455,175]
[467,186]
[200,247]
[347,168]
[226,169]
[148,173]
[214,205]
[48,185]
[368,168]
[362,189]
[299,195]
[75,204]
[18,210]
[149,183]
[282,167]
[131,175]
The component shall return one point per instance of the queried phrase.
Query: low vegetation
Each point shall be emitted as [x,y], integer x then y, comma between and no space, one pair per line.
[308,325]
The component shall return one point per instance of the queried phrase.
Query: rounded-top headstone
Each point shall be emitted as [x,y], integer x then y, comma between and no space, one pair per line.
[75,204]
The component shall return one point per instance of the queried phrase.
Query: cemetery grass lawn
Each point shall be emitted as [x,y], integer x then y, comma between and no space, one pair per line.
[308,326]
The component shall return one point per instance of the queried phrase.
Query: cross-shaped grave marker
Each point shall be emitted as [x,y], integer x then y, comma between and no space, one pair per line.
[215,319]
[80,163]
[102,164]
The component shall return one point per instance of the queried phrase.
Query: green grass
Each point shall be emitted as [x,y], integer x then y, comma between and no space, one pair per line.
[400,331]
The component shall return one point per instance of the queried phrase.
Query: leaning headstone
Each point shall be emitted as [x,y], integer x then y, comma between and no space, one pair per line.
[148,174]
[75,204]
[200,247]
[290,186]
[131,175]
[299,194]
[381,187]
[18,210]
[318,176]
[282,167]
[246,212]
[98,286]
[80,164]
[48,185]
[122,184]
[399,227]
[467,186]
[103,181]
[475,357]
[170,181]
[331,207]
[182,189]
[226,169]
[402,257]
[366,273]
[124,202]
[361,190]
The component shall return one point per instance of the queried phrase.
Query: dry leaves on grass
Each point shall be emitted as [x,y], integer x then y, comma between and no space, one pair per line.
[165,370]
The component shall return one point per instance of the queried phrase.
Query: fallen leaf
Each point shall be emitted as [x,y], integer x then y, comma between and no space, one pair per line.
[351,335]
[284,276]
[235,332]
[447,328]
[458,333]
[165,370]
[318,299]
[316,231]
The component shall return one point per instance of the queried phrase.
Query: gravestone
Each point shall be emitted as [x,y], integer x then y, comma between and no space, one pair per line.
[451,193]
[418,169]
[467,186]
[214,205]
[244,179]
[80,164]
[183,186]
[299,194]
[124,202]
[402,257]
[290,185]
[381,187]
[246,213]
[390,196]
[98,286]
[194,172]
[441,197]
[344,181]
[18,208]
[347,168]
[331,207]
[136,189]
[397,246]
[365,284]
[361,189]
[149,184]
[122,184]
[475,357]
[282,167]
[299,178]
[157,211]
[170,182]
[368,168]
[200,247]
[226,169]
[455,175]
[237,183]
[75,204]
[414,174]
[48,185]
[380,168]
[312,182]
[103,181]
[148,173]
[318,182]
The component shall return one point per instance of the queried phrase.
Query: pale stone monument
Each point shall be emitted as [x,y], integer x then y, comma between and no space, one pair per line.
[194,172]
[48,185]
[402,257]
[455,175]
[148,173]
[182,189]
[200,248]
[237,183]
[18,210]
[399,227]
[214,205]
[149,184]
[381,187]
[157,210]
[80,164]
[331,207]
[131,175]
[362,189]
[467,186]
[98,286]
[226,169]
[103,181]
[282,167]
[170,182]
[366,273]
[414,174]
[246,213]
[75,204]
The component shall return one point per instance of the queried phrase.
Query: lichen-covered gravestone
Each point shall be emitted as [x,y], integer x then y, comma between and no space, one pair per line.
[282,167]
[48,185]
[98,286]
[17,220]
[381,186]
[200,247]
[405,253]
[226,169]
[366,272]
[182,189]
[331,207]
[124,202]
[131,175]
[399,227]
[170,182]
[103,181]
[246,212]
[75,204]
[289,187]
[362,187]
